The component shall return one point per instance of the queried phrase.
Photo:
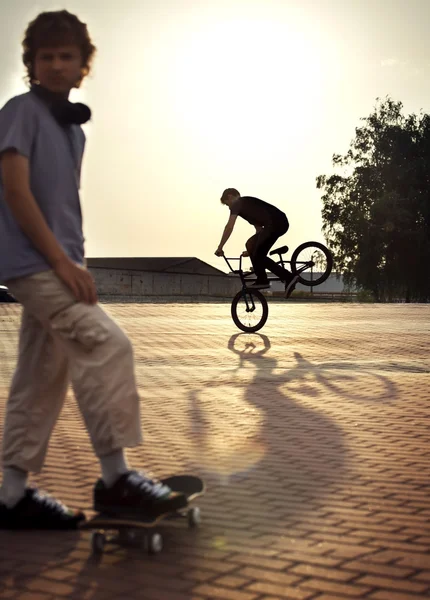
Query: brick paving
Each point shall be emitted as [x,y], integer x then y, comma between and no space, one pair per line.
[313,438]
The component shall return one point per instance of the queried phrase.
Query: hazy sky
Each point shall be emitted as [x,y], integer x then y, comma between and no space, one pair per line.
[192,96]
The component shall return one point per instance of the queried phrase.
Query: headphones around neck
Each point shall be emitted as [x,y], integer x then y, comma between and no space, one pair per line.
[64,112]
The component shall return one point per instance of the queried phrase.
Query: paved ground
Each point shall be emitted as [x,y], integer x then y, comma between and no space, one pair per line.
[313,438]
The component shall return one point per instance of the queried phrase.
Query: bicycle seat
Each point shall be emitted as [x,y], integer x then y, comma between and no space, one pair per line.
[280,250]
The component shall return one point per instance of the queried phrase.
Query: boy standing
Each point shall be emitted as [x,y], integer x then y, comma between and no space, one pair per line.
[270,224]
[65,335]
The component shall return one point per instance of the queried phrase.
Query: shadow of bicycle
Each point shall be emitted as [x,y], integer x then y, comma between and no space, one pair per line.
[270,437]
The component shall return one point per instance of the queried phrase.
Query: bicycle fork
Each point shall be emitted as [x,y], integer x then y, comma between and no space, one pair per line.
[249,300]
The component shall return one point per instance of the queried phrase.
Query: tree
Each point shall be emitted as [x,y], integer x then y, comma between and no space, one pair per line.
[376,207]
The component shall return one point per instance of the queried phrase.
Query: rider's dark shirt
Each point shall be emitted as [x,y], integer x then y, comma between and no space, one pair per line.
[257,212]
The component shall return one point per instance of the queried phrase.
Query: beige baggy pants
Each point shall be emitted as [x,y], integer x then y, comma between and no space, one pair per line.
[62,340]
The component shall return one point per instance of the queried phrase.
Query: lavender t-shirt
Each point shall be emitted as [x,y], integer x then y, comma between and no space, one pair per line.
[55,157]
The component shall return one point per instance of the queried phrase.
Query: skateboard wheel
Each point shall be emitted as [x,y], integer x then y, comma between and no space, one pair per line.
[155,543]
[194,517]
[97,542]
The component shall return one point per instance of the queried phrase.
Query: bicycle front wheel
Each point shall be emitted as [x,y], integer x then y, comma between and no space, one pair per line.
[249,310]
[312,262]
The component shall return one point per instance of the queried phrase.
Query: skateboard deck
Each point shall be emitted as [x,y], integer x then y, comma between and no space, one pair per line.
[131,530]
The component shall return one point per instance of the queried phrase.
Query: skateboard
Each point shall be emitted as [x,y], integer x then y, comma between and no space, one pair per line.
[137,531]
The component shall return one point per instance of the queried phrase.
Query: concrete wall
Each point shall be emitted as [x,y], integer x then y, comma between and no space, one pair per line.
[118,282]
[144,284]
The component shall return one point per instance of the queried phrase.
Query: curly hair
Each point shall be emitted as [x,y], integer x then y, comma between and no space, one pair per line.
[53,29]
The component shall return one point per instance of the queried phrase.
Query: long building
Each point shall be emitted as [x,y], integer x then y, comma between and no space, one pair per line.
[151,277]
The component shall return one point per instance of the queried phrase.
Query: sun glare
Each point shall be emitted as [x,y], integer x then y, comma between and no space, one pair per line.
[253,81]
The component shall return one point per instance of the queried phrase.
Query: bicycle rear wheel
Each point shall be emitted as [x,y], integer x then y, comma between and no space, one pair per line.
[317,259]
[249,310]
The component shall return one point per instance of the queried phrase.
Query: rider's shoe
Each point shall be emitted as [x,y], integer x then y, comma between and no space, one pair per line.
[290,285]
[259,285]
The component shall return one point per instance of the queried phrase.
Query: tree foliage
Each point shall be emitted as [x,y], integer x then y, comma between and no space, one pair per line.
[376,206]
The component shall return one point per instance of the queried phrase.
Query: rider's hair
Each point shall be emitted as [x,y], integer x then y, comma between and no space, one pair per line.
[228,192]
[54,29]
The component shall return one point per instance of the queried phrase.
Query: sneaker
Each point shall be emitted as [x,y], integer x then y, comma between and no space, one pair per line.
[259,285]
[39,511]
[289,287]
[134,495]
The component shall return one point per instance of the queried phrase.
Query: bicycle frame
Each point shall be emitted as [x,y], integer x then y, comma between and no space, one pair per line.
[281,262]
[249,299]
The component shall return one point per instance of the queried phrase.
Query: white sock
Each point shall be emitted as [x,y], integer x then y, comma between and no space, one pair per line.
[113,466]
[13,486]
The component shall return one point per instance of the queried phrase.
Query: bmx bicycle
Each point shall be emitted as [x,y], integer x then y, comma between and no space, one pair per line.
[311,261]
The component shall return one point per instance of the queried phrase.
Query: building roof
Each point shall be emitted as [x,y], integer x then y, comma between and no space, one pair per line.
[155,264]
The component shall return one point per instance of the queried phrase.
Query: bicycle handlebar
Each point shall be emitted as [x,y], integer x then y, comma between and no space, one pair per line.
[229,265]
